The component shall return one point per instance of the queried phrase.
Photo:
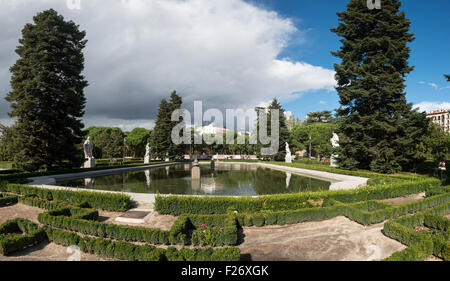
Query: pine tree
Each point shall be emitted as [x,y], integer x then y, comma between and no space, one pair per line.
[47,93]
[284,135]
[161,134]
[376,125]
[176,151]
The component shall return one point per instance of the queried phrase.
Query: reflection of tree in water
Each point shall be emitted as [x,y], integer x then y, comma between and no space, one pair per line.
[233,180]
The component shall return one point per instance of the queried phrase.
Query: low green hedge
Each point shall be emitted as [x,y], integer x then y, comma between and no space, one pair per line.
[62,218]
[11,241]
[365,213]
[177,205]
[84,221]
[211,235]
[403,231]
[99,200]
[132,252]
[6,199]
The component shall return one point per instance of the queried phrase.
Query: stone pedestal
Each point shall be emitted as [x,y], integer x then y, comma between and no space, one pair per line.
[89,162]
[288,158]
[195,172]
[147,159]
[333,161]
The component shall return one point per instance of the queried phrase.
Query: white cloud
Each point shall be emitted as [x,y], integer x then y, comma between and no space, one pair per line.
[429,106]
[322,102]
[224,52]
[433,85]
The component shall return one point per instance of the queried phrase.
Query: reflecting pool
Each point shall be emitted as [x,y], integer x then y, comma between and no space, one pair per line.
[224,179]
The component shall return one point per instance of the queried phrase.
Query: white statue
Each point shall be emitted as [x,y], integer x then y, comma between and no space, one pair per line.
[88,147]
[288,158]
[148,153]
[335,140]
[335,143]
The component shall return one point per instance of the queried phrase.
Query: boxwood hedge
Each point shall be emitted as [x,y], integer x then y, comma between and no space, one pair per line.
[128,251]
[19,234]
[177,205]
[98,200]
[6,199]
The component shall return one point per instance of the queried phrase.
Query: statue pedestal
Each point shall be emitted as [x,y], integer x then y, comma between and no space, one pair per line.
[147,159]
[333,162]
[288,158]
[89,163]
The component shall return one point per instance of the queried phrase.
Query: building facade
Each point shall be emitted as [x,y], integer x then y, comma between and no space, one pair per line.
[441,117]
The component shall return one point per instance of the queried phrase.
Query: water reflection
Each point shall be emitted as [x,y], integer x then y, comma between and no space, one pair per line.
[225,179]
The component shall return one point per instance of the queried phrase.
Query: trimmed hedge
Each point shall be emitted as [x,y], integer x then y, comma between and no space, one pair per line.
[132,252]
[210,235]
[6,199]
[403,231]
[11,242]
[177,205]
[62,218]
[99,200]
[85,222]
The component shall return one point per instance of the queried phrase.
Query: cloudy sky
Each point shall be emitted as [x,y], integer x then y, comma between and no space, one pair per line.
[226,53]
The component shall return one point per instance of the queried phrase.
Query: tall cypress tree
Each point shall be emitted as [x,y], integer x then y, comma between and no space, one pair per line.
[47,93]
[376,125]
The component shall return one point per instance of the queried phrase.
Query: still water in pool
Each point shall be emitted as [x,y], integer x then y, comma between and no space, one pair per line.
[225,179]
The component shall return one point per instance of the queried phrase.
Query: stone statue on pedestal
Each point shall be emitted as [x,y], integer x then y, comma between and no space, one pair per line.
[88,148]
[335,143]
[148,153]
[288,158]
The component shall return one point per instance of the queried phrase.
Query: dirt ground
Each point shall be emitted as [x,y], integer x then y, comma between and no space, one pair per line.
[337,239]
[404,200]
[155,221]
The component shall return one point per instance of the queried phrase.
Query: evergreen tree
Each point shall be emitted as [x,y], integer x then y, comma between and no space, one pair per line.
[377,127]
[319,117]
[47,93]
[161,134]
[176,151]
[283,129]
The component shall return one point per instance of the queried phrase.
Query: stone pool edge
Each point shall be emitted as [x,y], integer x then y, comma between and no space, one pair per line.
[338,181]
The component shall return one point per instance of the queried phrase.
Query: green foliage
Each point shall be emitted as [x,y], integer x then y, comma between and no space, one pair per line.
[177,205]
[108,142]
[447,76]
[6,199]
[422,243]
[47,93]
[136,140]
[221,234]
[104,201]
[132,252]
[162,145]
[11,241]
[320,133]
[378,129]
[319,117]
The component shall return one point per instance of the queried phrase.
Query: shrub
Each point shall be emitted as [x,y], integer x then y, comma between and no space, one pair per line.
[177,205]
[11,241]
[6,200]
[132,252]
[99,200]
